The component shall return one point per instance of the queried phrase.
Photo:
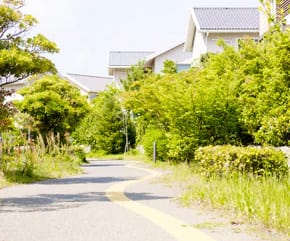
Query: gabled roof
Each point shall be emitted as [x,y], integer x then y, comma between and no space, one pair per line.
[221,20]
[89,83]
[226,19]
[150,58]
[127,58]
[163,51]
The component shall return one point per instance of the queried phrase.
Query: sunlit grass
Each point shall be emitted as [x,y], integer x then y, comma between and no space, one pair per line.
[263,200]
[38,162]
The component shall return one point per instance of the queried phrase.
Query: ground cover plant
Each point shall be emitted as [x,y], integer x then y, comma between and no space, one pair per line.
[25,162]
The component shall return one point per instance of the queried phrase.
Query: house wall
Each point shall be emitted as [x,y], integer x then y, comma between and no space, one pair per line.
[229,38]
[208,42]
[199,45]
[118,75]
[264,25]
[176,55]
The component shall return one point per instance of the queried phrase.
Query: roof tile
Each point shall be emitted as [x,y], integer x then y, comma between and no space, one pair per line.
[227,18]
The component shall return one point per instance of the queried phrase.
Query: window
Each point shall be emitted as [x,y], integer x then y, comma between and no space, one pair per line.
[182,67]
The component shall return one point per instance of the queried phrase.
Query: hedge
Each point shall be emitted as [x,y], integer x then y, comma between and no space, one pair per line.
[225,160]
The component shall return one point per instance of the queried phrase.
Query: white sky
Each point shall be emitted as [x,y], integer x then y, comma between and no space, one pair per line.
[85,30]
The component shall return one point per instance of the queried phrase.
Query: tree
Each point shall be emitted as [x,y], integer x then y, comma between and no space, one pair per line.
[265,91]
[134,74]
[21,56]
[105,126]
[6,109]
[192,108]
[54,104]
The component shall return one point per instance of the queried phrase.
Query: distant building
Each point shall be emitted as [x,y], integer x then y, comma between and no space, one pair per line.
[174,53]
[207,25]
[89,85]
[121,61]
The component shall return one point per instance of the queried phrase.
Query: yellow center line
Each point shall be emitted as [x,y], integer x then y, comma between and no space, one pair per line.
[175,227]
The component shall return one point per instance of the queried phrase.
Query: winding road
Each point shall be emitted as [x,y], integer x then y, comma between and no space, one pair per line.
[112,200]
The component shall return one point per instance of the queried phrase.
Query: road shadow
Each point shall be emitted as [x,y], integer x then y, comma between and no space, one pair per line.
[85,180]
[54,202]
[103,165]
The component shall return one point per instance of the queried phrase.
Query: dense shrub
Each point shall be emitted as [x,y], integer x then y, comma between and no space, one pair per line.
[148,139]
[79,152]
[224,160]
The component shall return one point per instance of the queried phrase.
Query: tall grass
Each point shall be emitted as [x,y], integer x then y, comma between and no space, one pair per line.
[23,161]
[260,200]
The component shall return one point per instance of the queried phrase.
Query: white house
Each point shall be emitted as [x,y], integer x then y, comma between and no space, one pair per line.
[120,61]
[207,25]
[88,84]
[174,53]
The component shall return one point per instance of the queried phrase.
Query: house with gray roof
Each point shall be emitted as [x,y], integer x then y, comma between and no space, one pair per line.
[88,84]
[121,61]
[208,25]
[174,53]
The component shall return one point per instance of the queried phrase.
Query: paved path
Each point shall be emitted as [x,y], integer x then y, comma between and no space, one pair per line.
[93,207]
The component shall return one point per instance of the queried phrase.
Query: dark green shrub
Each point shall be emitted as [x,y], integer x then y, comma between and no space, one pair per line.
[79,153]
[148,139]
[224,160]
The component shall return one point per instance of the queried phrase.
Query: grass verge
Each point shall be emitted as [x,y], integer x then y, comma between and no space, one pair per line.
[37,161]
[263,201]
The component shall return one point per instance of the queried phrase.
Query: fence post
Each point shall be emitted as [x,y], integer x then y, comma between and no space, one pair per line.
[154,151]
[1,149]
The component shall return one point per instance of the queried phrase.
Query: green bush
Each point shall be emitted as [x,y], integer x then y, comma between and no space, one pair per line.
[224,160]
[148,139]
[79,152]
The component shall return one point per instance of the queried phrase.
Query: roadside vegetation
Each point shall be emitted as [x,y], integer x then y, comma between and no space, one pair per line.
[260,202]
[221,125]
[25,162]
[35,141]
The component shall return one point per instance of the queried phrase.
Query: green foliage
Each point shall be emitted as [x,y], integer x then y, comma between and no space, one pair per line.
[79,152]
[54,104]
[265,89]
[169,67]
[23,161]
[226,160]
[6,109]
[104,127]
[194,108]
[235,97]
[134,74]
[21,56]
[154,135]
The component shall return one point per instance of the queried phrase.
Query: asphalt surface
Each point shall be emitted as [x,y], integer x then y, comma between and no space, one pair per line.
[90,207]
